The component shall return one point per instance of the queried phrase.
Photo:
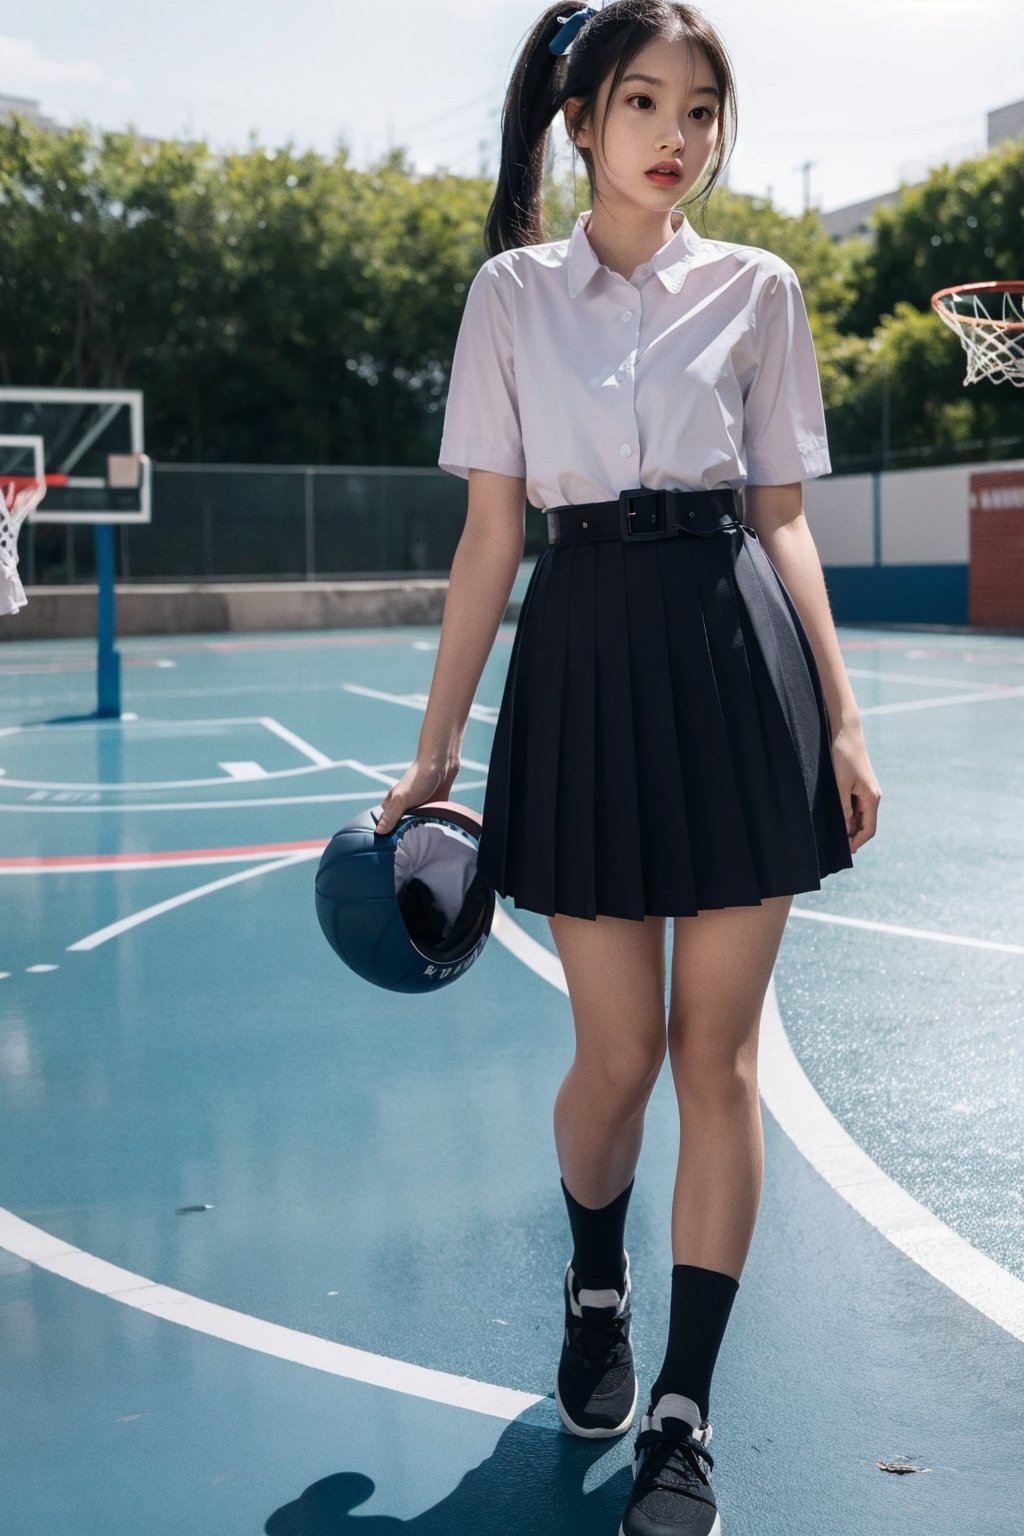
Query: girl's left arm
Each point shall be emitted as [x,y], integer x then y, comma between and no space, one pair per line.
[776,514]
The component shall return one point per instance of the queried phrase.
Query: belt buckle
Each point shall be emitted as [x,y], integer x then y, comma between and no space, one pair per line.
[646,522]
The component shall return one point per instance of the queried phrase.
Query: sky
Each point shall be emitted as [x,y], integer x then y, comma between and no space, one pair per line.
[871,92]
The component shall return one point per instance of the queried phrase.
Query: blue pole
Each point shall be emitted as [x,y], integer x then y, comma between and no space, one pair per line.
[108,661]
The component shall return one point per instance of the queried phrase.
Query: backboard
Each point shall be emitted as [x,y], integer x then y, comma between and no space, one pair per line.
[93,458]
[21,457]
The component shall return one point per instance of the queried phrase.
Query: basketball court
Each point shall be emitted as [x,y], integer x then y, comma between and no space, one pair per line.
[282,1252]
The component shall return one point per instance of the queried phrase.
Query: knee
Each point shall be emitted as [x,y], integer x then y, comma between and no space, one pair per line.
[624,1076]
[707,1070]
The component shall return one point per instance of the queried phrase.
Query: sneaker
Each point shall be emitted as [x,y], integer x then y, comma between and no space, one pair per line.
[672,1494]
[595,1388]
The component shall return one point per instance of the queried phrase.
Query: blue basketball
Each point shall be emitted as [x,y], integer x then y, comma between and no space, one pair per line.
[407,911]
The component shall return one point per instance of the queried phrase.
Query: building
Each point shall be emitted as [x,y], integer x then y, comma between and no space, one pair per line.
[1003,124]
[25,106]
[1006,123]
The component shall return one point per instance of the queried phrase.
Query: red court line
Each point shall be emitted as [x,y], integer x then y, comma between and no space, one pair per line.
[171,856]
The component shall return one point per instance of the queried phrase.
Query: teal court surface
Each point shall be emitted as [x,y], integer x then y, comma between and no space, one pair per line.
[281,1253]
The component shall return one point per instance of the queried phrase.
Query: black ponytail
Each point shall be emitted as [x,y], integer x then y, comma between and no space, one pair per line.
[515,214]
[542,81]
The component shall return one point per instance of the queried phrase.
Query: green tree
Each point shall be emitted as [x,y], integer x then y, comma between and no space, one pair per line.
[963,224]
[278,305]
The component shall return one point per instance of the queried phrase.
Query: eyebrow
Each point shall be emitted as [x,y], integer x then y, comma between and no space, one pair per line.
[699,90]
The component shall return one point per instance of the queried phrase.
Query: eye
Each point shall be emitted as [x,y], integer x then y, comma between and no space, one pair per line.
[639,98]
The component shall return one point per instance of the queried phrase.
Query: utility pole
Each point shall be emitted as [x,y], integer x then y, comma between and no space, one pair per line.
[806,166]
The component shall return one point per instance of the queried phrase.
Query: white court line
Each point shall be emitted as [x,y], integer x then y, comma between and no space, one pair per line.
[123,924]
[377,773]
[203,805]
[926,682]
[885,1205]
[842,1163]
[127,787]
[95,1274]
[488,713]
[953,698]
[207,725]
[536,956]
[183,728]
[464,762]
[246,770]
[931,934]
[315,756]
[59,1258]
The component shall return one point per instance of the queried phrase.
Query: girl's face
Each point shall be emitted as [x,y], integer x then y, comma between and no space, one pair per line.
[665,111]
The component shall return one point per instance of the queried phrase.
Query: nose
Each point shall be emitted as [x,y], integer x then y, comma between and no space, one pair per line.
[673,138]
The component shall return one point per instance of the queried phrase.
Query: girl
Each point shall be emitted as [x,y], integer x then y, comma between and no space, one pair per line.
[677,736]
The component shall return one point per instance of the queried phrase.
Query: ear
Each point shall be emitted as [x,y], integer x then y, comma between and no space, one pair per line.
[570,113]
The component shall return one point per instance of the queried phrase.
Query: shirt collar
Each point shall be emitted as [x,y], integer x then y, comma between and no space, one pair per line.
[669,263]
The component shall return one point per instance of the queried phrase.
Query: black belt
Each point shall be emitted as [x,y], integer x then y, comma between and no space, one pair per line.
[643,514]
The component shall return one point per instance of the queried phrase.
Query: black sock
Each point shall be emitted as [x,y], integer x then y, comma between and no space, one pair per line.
[701,1302]
[598,1258]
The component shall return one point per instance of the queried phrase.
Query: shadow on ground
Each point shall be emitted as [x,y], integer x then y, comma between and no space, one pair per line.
[532,1484]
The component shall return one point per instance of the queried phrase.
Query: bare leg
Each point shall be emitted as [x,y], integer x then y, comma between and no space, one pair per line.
[721,966]
[615,970]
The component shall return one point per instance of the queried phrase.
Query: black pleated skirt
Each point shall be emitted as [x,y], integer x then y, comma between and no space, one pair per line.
[662,745]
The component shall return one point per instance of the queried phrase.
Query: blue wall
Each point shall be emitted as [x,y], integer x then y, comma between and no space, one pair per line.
[898,594]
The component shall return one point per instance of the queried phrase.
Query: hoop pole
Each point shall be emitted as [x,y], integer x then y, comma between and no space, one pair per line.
[108,660]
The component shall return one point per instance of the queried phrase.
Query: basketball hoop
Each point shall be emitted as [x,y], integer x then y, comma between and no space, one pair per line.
[989,320]
[21,494]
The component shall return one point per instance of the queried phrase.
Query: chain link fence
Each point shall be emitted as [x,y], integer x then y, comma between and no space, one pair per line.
[223,523]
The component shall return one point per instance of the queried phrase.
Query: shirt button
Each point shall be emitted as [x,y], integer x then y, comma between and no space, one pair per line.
[625,450]
[627,314]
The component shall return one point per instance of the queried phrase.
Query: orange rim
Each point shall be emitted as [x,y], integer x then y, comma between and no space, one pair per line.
[1012,285]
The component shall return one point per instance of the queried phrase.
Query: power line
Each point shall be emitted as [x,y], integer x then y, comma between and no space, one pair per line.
[464,106]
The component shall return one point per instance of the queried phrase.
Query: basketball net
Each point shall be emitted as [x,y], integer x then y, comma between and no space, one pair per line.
[989,320]
[20,497]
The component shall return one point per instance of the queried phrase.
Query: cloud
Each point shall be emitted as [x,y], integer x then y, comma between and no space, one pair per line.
[22,64]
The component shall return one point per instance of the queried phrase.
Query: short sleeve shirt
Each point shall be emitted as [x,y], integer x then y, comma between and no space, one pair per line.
[695,373]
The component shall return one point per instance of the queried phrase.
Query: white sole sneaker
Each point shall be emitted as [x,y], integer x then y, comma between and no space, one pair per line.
[596,1434]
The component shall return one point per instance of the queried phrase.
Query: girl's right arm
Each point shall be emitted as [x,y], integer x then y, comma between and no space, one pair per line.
[484,569]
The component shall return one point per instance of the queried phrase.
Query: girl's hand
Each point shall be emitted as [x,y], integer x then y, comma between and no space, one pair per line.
[422,781]
[858,788]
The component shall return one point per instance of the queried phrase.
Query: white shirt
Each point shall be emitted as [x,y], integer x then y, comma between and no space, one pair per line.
[695,373]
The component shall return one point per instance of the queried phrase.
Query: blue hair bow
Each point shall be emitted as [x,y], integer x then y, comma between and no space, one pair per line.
[562,40]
